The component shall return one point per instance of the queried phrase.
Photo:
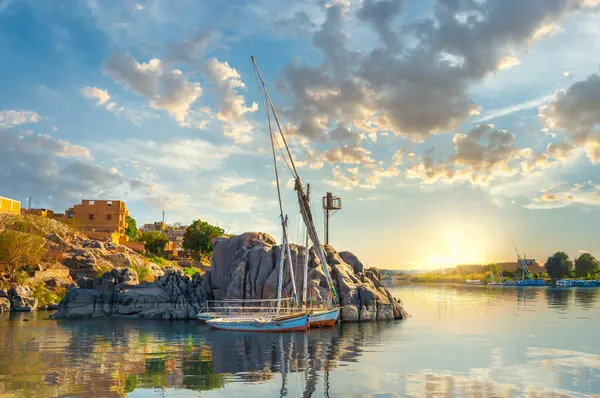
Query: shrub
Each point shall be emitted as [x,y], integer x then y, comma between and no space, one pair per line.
[159,260]
[19,252]
[191,271]
[143,273]
[44,295]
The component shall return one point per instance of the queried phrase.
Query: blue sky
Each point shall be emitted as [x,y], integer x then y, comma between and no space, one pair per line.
[445,126]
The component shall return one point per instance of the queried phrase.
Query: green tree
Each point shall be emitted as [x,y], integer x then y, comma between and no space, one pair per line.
[559,265]
[131,231]
[155,241]
[199,236]
[585,265]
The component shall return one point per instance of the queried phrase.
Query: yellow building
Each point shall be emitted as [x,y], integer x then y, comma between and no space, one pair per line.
[100,219]
[10,206]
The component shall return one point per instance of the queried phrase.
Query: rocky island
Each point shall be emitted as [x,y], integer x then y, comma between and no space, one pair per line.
[242,267]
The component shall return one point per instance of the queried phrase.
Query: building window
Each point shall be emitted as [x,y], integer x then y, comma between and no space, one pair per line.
[91,202]
[91,216]
[108,217]
[109,203]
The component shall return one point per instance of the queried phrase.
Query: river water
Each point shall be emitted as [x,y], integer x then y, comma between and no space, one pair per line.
[459,342]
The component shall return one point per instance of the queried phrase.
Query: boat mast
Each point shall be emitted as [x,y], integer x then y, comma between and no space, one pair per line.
[306,254]
[302,198]
[281,216]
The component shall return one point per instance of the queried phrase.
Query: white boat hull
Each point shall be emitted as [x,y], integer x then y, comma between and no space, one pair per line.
[247,324]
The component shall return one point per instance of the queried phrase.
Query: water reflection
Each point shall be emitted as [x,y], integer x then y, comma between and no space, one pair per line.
[460,342]
[113,358]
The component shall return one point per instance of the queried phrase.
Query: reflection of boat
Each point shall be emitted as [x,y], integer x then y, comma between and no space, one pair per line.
[286,323]
[473,282]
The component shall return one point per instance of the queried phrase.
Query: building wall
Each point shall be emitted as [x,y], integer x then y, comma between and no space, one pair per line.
[10,206]
[99,216]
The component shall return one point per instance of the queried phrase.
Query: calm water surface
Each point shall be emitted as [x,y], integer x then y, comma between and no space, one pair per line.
[460,342]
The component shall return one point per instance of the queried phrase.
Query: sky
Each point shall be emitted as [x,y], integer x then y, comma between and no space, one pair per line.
[445,126]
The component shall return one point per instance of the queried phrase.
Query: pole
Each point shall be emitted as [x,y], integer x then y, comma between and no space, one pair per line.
[30,203]
[289,256]
[306,254]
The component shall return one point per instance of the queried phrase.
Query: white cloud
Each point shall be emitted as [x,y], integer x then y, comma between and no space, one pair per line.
[96,93]
[10,118]
[496,113]
[164,89]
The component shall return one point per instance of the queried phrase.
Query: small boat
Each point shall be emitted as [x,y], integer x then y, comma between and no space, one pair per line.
[285,323]
[326,317]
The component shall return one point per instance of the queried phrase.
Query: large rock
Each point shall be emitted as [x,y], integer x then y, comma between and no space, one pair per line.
[242,267]
[4,304]
[19,290]
[173,296]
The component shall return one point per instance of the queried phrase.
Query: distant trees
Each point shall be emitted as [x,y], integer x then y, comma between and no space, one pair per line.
[199,236]
[131,231]
[585,265]
[559,265]
[155,241]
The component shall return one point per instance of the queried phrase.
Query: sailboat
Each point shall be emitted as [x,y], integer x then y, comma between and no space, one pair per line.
[329,314]
[492,281]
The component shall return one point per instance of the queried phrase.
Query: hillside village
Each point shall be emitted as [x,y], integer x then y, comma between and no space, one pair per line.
[43,253]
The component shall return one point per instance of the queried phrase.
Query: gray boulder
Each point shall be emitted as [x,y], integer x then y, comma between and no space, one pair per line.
[19,290]
[174,296]
[4,304]
[23,304]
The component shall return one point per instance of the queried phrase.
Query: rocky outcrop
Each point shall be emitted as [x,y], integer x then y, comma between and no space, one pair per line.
[246,267]
[20,299]
[242,267]
[4,304]
[118,293]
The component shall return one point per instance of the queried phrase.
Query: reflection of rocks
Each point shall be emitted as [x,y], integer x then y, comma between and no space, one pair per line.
[4,304]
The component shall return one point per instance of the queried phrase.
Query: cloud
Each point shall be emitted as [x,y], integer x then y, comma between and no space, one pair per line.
[554,199]
[56,173]
[173,155]
[168,90]
[102,97]
[96,93]
[480,156]
[346,154]
[496,113]
[423,89]
[560,150]
[576,111]
[226,83]
[10,118]
[299,23]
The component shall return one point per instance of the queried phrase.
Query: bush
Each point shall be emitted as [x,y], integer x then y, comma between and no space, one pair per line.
[159,260]
[44,295]
[19,252]
[143,273]
[155,241]
[191,271]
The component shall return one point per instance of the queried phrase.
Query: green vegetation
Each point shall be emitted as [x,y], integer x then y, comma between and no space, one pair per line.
[191,271]
[19,253]
[131,231]
[586,265]
[46,296]
[155,241]
[199,236]
[159,260]
[559,265]
[143,273]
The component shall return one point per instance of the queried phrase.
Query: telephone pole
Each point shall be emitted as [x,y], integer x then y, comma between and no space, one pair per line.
[331,204]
